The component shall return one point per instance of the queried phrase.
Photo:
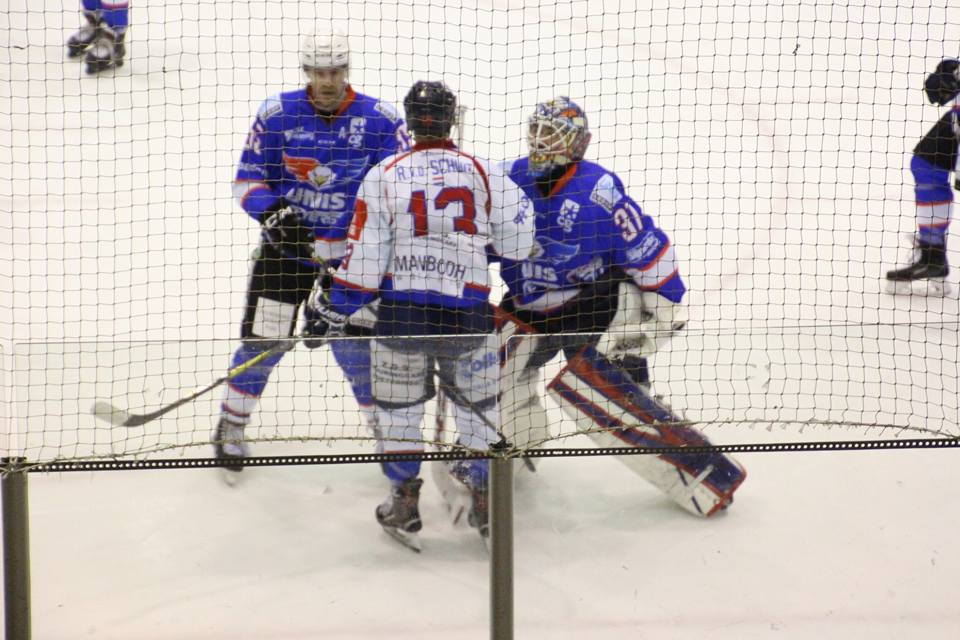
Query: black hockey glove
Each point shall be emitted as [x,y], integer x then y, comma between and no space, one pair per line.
[943,84]
[321,321]
[284,231]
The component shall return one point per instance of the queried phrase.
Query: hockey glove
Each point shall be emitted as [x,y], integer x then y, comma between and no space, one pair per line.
[943,84]
[284,231]
[321,320]
[644,322]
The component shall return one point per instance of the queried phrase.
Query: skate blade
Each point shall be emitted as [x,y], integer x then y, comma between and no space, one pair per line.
[923,288]
[409,540]
[231,477]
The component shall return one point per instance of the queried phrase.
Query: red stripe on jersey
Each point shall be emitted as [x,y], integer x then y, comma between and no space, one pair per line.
[483,175]
[350,285]
[656,259]
[359,220]
[654,287]
[256,186]
[934,204]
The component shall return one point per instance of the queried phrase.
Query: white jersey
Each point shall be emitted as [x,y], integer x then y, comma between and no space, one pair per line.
[423,220]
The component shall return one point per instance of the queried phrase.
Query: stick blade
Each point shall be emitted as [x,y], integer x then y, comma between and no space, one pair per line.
[110,413]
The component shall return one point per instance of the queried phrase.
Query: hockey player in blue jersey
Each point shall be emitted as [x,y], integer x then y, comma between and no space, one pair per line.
[100,40]
[603,285]
[298,175]
[934,157]
[419,239]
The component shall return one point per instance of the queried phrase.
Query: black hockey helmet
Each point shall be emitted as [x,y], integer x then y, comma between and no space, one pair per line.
[431,109]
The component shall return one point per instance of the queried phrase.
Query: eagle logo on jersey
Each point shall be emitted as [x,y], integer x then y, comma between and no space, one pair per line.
[309,170]
[552,251]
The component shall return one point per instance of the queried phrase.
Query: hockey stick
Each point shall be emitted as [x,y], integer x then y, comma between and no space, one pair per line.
[120,418]
[457,397]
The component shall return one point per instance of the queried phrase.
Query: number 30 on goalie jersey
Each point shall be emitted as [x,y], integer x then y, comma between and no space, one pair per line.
[423,221]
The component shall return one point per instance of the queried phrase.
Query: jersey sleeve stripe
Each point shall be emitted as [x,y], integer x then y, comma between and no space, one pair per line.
[476,287]
[355,287]
[654,287]
[656,258]
[483,176]
[242,189]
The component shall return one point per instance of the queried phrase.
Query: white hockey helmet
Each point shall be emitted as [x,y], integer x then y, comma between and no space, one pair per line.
[325,49]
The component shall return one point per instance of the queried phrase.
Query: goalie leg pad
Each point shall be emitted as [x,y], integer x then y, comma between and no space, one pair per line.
[522,353]
[524,417]
[615,411]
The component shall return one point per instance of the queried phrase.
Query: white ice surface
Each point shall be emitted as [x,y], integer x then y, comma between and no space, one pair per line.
[768,138]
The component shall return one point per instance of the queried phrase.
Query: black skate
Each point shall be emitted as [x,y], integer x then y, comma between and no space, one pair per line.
[228,444]
[106,52]
[926,275]
[399,514]
[82,39]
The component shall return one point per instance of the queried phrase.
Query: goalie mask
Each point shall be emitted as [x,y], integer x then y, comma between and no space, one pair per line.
[557,135]
[431,109]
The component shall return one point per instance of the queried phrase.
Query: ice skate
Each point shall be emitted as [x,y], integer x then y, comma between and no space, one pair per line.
[473,474]
[79,42]
[228,444]
[925,276]
[456,497]
[106,52]
[399,514]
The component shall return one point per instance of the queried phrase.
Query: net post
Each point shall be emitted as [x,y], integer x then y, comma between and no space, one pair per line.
[501,543]
[16,549]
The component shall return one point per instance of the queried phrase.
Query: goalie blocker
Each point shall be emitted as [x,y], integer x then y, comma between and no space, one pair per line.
[613,409]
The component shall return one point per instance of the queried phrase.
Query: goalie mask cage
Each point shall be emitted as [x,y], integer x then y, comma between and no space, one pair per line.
[770,141]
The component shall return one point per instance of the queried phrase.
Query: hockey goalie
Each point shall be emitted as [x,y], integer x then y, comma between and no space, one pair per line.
[603,286]
[604,388]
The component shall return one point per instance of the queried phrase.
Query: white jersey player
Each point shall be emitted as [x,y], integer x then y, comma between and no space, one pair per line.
[422,224]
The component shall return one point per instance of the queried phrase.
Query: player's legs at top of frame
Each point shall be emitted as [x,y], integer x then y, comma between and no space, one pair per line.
[934,158]
[301,189]
[100,39]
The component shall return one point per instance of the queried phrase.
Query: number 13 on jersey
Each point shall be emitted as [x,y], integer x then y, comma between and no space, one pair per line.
[428,215]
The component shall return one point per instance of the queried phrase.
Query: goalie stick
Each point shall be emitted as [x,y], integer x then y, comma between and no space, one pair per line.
[118,417]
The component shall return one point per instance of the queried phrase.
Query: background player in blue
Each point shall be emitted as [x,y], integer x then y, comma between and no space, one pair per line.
[100,41]
[934,157]
[298,176]
[603,285]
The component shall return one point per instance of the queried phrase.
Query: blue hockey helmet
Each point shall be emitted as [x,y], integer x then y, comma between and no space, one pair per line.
[431,109]
[557,135]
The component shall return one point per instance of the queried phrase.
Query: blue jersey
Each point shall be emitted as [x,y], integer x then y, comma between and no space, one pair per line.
[116,13]
[586,226]
[315,163]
